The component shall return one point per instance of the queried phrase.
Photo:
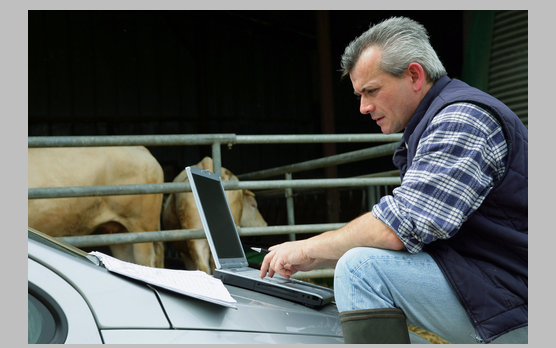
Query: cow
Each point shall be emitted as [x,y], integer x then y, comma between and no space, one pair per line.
[180,212]
[79,216]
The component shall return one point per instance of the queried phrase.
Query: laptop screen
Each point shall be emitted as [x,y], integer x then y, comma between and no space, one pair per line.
[218,217]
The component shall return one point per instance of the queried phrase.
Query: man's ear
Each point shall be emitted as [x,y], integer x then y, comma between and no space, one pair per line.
[417,74]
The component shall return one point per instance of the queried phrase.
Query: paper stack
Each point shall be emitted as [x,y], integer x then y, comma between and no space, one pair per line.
[195,284]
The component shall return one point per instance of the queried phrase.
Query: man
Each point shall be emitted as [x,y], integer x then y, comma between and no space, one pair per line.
[448,251]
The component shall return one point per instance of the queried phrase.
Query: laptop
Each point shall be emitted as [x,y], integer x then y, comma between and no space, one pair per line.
[231,264]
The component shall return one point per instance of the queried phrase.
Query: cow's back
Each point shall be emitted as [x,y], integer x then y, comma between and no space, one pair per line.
[92,166]
[84,166]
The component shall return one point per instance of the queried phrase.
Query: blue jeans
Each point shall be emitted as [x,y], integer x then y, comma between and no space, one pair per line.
[368,278]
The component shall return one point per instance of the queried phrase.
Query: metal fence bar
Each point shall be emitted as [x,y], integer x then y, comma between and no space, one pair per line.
[95,240]
[180,235]
[201,139]
[317,138]
[130,140]
[216,159]
[359,155]
[289,205]
[138,189]
[107,190]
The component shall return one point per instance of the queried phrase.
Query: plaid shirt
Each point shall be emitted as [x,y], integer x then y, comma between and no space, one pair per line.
[459,157]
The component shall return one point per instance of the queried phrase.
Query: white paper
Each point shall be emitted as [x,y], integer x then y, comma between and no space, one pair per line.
[196,284]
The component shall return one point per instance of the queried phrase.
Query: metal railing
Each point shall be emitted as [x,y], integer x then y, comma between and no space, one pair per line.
[216,141]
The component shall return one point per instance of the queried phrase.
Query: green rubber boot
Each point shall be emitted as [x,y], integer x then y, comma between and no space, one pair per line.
[385,325]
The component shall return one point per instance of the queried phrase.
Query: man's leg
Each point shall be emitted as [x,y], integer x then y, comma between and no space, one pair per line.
[369,278]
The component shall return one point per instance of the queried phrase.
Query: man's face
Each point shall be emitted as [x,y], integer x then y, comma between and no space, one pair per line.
[390,101]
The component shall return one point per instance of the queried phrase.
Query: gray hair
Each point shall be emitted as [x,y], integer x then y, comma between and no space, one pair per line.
[402,41]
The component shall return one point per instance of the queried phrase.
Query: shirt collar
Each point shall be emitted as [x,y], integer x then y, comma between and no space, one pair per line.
[424,106]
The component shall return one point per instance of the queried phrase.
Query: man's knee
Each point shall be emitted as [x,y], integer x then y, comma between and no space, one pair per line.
[342,266]
[357,280]
[358,257]
[350,262]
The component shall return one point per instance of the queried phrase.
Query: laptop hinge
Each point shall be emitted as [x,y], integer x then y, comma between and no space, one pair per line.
[235,265]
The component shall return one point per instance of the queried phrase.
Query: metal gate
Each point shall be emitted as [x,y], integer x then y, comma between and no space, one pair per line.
[248,182]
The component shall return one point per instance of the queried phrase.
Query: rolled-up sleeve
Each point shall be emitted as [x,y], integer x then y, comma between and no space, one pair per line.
[458,159]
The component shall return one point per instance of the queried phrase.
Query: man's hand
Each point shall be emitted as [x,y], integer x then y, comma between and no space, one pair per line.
[286,259]
[325,249]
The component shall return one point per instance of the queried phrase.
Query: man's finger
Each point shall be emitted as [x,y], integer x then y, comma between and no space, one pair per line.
[266,266]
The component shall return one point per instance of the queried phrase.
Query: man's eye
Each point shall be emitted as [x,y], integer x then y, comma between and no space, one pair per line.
[368,92]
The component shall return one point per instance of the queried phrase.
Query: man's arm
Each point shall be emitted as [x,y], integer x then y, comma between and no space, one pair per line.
[460,156]
[326,248]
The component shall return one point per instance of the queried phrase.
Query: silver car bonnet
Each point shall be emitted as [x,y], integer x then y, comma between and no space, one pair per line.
[115,301]
[255,312]
[118,302]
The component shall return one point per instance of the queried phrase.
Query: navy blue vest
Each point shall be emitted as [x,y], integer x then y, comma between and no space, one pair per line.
[486,260]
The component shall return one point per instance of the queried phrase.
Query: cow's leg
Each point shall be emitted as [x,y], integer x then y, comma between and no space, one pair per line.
[200,253]
[158,252]
[139,253]
[146,254]
[212,265]
[123,252]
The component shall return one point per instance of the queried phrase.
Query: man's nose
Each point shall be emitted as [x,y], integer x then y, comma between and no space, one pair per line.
[366,107]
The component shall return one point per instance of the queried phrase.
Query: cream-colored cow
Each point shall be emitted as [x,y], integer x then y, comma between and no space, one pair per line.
[86,166]
[180,212]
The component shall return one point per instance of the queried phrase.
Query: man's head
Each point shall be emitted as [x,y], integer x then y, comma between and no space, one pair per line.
[402,41]
[392,66]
